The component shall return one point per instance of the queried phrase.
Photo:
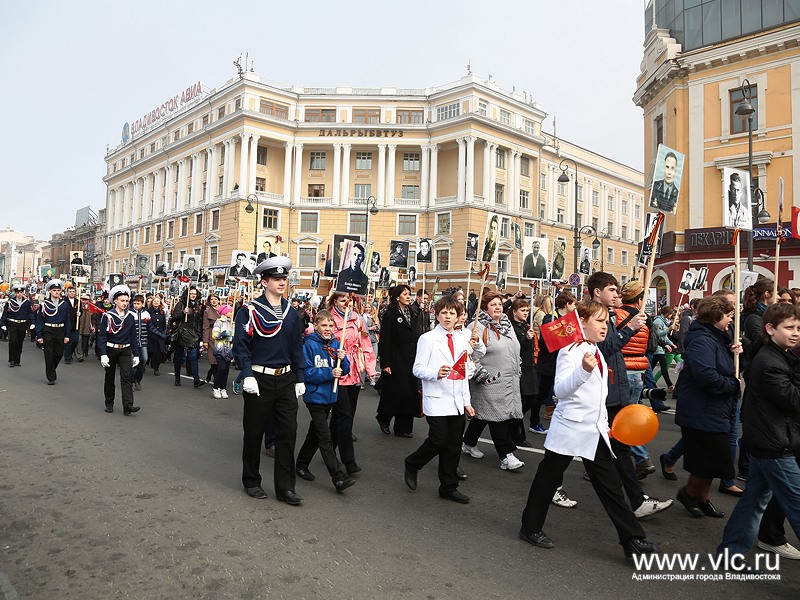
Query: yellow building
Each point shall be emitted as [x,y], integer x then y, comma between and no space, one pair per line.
[698,59]
[435,160]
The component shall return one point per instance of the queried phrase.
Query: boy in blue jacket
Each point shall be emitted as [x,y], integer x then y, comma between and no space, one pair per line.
[321,351]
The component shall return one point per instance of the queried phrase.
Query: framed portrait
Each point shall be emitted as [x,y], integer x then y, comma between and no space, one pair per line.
[491,238]
[517,235]
[80,270]
[383,278]
[242,264]
[191,266]
[585,263]
[333,261]
[700,279]
[736,199]
[141,264]
[473,245]
[666,180]
[375,265]
[559,259]
[647,248]
[76,257]
[687,282]
[424,251]
[315,276]
[535,264]
[398,255]
[354,273]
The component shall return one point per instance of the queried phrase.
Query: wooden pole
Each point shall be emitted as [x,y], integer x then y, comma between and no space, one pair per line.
[519,270]
[737,291]
[779,238]
[484,272]
[344,335]
[651,263]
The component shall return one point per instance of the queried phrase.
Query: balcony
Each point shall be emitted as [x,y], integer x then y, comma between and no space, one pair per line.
[311,201]
[407,201]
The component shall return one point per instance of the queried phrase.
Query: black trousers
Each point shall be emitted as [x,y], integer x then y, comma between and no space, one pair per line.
[501,434]
[119,357]
[518,429]
[53,350]
[402,423]
[605,481]
[319,437]
[625,465]
[16,336]
[277,399]
[444,441]
[342,422]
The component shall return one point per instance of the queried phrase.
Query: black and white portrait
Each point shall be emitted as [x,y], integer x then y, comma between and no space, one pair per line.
[399,254]
[77,258]
[585,265]
[517,236]
[161,269]
[412,275]
[471,253]
[424,251]
[534,265]
[383,278]
[559,257]
[666,179]
[647,248]
[315,279]
[736,211]
[375,264]
[491,238]
[114,279]
[141,264]
[80,270]
[241,264]
[353,276]
[191,266]
[700,280]
[687,282]
[334,260]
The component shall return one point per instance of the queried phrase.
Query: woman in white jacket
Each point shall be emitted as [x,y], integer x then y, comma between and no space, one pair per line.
[579,427]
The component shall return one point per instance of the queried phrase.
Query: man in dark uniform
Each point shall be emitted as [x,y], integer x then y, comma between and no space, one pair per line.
[268,347]
[53,328]
[72,308]
[118,345]
[17,318]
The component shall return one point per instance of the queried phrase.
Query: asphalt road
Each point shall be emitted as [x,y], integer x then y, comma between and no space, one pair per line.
[98,506]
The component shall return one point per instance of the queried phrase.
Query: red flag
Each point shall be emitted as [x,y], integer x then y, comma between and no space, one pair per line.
[184,279]
[459,368]
[91,307]
[562,332]
[795,219]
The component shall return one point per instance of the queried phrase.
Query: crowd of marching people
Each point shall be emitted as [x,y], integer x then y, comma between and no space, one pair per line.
[465,361]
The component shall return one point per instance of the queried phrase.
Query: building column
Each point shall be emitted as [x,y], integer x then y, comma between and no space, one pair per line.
[470,171]
[230,157]
[345,193]
[212,181]
[298,171]
[226,150]
[513,180]
[182,184]
[390,168]
[243,191]
[168,186]
[147,197]
[251,182]
[136,204]
[433,191]
[287,171]
[462,176]
[337,174]
[492,174]
[381,174]
[487,167]
[423,187]
[193,200]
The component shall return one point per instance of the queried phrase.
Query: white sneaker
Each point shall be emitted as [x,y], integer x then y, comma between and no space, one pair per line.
[511,462]
[784,550]
[224,393]
[471,450]
[651,506]
[560,498]
[217,393]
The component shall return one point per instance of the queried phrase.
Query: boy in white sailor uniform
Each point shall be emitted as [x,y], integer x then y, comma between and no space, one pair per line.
[53,328]
[17,318]
[118,345]
[268,347]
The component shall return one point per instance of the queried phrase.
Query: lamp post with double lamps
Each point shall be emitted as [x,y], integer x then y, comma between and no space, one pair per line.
[564,178]
[595,244]
[249,209]
[371,209]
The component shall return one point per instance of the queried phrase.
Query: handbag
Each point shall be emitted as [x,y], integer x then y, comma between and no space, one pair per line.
[189,338]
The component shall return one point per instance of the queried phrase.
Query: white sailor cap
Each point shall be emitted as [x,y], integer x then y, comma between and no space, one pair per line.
[275,266]
[119,290]
[53,283]
[18,287]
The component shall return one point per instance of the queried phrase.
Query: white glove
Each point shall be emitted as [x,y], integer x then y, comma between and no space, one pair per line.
[33,326]
[299,389]
[135,362]
[250,385]
[3,328]
[104,361]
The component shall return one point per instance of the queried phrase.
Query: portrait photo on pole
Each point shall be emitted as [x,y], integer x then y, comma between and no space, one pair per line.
[585,264]
[375,265]
[471,252]
[559,258]
[535,264]
[647,249]
[191,266]
[687,282]
[748,279]
[315,279]
[76,257]
[114,279]
[46,273]
[79,270]
[666,179]
[266,248]
[383,278]
[141,264]
[398,256]
[700,278]
[517,235]
[161,269]
[736,199]
[412,275]
[491,238]
[425,251]
[241,264]
[353,275]
[334,262]
[501,278]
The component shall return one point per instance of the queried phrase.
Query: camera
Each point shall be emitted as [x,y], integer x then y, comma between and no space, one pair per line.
[654,394]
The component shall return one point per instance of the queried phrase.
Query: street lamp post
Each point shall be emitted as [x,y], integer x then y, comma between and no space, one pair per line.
[595,244]
[564,178]
[249,209]
[745,109]
[371,209]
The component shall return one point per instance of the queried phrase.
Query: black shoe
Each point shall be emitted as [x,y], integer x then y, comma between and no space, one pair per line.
[137,387]
[410,477]
[304,473]
[343,484]
[460,472]
[689,502]
[352,467]
[256,492]
[109,408]
[133,409]
[200,383]
[11,364]
[17,364]
[384,427]
[455,496]
[710,510]
[664,473]
[539,539]
[524,444]
[661,408]
[178,382]
[642,546]
[51,382]
[723,490]
[156,373]
[290,498]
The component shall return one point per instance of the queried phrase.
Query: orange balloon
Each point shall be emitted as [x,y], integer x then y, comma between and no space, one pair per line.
[3,287]
[635,425]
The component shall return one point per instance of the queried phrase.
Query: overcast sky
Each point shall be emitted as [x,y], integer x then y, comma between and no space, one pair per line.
[74,72]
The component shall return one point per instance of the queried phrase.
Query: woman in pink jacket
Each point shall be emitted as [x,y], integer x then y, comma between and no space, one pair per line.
[359,351]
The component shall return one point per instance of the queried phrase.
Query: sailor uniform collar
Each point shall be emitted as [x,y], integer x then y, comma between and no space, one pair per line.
[115,321]
[49,308]
[15,305]
[263,319]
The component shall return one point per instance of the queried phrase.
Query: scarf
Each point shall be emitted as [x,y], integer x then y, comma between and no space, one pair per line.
[405,312]
[503,328]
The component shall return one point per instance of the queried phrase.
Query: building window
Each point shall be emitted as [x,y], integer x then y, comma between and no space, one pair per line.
[213,255]
[169,259]
[579,191]
[530,127]
[363,190]
[189,128]
[127,239]
[611,203]
[309,222]
[406,224]
[367,116]
[237,105]
[410,161]
[176,136]
[147,235]
[158,232]
[637,211]
[219,187]
[205,192]
[410,117]
[659,127]
[222,154]
[500,159]
[198,223]
[267,107]
[307,258]
[443,260]
[529,229]
[363,161]
[739,124]
[443,223]
[610,255]
[184,226]
[505,227]
[357,224]
[579,220]
[316,190]
[562,189]
[505,117]
[483,108]
[502,263]
[624,257]
[316,161]
[637,235]
[269,219]
[595,223]
[410,192]
[542,210]
[624,207]
[560,215]
[543,181]
[499,194]
[205,120]
[448,111]
[624,232]
[320,115]
[610,228]
[524,198]
[261,184]
[170,230]
[261,155]
[214,219]
[525,166]
[117,242]
[595,198]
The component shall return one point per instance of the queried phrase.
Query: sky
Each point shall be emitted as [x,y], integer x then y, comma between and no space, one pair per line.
[75,72]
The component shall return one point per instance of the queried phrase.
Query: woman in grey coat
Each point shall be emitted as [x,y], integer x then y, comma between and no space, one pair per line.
[495,387]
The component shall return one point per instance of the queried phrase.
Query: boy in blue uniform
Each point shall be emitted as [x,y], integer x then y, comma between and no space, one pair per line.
[118,345]
[17,318]
[321,350]
[142,317]
[53,328]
